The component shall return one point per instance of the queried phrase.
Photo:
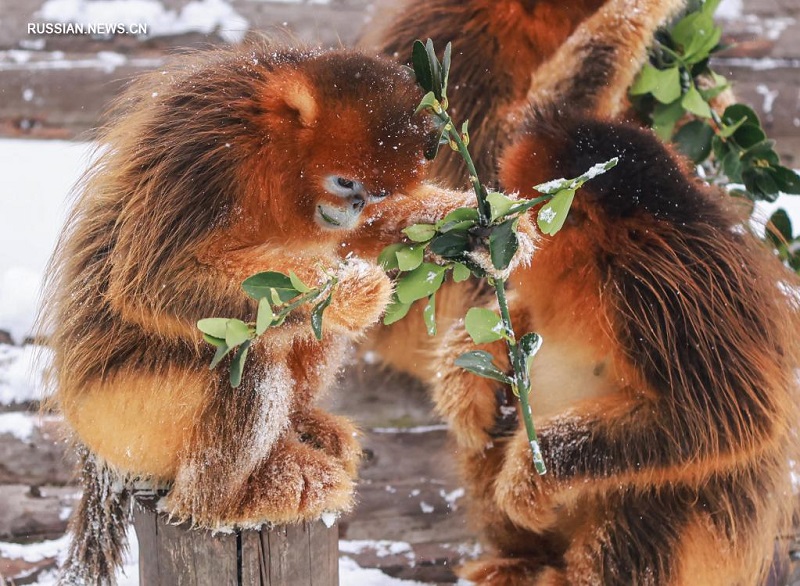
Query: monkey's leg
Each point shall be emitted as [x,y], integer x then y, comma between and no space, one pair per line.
[331,434]
[513,556]
[245,463]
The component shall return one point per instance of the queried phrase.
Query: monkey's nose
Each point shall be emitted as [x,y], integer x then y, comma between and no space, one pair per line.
[358,202]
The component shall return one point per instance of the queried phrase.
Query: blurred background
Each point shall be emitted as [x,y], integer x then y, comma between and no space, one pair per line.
[53,87]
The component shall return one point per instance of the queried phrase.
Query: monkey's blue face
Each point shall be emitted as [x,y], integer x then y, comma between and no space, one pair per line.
[342,203]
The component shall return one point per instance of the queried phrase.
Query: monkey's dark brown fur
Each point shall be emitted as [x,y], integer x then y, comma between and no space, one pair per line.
[212,170]
[665,393]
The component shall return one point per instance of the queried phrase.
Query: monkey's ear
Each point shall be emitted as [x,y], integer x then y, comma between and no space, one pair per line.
[292,100]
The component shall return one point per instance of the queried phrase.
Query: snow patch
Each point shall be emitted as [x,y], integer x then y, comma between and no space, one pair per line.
[729,9]
[381,548]
[351,574]
[18,425]
[202,16]
[22,372]
[418,429]
[329,519]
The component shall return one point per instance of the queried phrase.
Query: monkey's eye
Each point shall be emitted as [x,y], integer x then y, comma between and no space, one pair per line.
[380,194]
[345,187]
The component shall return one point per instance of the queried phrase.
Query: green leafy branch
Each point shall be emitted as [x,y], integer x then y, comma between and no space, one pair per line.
[278,295]
[458,238]
[678,81]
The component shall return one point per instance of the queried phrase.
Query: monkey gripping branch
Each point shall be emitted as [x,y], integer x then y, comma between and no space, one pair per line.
[453,244]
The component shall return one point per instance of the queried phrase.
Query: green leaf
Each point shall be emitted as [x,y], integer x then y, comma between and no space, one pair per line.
[732,166]
[410,257]
[748,135]
[460,272]
[446,60]
[461,218]
[316,315]
[693,102]
[667,87]
[422,66]
[423,281]
[780,221]
[428,101]
[481,363]
[297,283]
[646,81]
[264,316]
[213,326]
[503,243]
[484,325]
[553,214]
[727,130]
[499,204]
[736,112]
[433,149]
[258,286]
[396,311]
[236,332]
[222,351]
[387,259]
[760,183]
[420,232]
[429,315]
[530,344]
[665,116]
[214,341]
[436,69]
[788,181]
[454,244]
[237,365]
[693,139]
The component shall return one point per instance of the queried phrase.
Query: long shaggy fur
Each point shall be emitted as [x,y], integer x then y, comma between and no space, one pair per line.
[208,172]
[666,389]
[98,526]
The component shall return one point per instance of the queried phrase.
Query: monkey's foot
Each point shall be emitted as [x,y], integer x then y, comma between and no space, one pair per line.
[499,571]
[296,483]
[335,436]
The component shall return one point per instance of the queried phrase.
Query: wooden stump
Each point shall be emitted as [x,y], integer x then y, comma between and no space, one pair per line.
[305,554]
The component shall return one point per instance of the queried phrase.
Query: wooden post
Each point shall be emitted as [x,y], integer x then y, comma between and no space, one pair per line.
[305,554]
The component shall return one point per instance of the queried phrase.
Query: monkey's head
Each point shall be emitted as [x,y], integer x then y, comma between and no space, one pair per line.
[339,134]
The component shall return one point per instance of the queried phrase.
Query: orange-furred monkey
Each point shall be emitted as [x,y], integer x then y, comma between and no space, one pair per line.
[227,163]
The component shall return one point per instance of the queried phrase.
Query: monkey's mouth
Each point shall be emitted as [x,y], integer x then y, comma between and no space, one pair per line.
[336,218]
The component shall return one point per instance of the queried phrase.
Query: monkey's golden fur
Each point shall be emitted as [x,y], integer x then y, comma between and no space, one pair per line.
[209,172]
[665,393]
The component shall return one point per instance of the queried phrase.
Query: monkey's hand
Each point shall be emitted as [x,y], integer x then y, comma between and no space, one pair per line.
[520,492]
[466,401]
[384,222]
[361,296]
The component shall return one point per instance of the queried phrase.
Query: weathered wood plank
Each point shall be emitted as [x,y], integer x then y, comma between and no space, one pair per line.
[304,554]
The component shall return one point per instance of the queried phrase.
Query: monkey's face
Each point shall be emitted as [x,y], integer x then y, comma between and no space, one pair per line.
[342,211]
[344,137]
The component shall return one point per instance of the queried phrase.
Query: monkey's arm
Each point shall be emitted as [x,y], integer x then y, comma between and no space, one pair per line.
[603,56]
[208,284]
[384,221]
